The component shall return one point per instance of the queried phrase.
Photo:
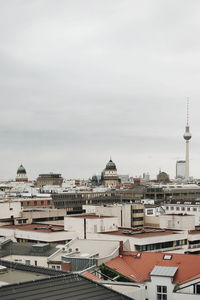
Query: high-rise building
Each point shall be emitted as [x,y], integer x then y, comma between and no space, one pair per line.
[187,136]
[180,169]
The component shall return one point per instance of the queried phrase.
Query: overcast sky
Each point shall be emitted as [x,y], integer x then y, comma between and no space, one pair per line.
[83,80]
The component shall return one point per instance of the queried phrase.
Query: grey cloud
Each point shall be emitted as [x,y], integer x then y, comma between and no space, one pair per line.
[83,80]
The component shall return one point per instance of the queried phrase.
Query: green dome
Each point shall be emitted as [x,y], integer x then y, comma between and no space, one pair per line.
[21,170]
[111,165]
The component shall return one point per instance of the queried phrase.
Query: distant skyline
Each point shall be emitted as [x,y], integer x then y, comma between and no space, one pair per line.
[81,81]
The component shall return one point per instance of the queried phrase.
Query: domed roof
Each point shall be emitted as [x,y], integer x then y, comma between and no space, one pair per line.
[21,170]
[110,165]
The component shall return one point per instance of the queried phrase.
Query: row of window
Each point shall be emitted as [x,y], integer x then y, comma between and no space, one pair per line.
[178,208]
[158,246]
[137,211]
[35,203]
[138,219]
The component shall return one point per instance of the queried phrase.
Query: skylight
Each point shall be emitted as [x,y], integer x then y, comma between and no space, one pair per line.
[167,257]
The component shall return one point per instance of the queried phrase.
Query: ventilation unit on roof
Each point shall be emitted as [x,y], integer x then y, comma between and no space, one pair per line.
[70,249]
[137,255]
[77,250]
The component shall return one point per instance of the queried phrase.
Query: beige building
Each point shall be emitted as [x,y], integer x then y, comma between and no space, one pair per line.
[49,179]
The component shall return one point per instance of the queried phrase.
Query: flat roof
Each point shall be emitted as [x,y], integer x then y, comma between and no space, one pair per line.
[16,276]
[89,216]
[143,232]
[36,227]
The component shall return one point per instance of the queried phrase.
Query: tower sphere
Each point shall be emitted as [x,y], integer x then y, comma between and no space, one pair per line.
[187,135]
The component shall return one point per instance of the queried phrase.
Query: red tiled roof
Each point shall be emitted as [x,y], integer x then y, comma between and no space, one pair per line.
[138,269]
[91,276]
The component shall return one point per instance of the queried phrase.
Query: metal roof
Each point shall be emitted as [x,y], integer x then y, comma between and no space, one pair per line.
[70,286]
[164,271]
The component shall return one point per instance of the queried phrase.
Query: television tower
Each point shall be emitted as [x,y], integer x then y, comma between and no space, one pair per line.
[187,136]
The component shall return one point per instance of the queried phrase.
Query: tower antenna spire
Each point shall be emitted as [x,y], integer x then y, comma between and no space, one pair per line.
[187,136]
[188,99]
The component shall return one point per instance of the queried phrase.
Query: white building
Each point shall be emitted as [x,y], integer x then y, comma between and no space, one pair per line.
[84,224]
[9,209]
[26,253]
[164,276]
[177,221]
[148,239]
[129,215]
[184,207]
[37,233]
[180,169]
[81,254]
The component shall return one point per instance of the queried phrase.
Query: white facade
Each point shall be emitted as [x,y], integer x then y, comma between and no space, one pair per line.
[31,235]
[180,169]
[84,225]
[188,208]
[121,211]
[40,261]
[146,243]
[180,222]
[10,209]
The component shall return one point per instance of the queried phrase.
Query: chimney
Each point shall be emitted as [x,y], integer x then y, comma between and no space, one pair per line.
[121,244]
[66,266]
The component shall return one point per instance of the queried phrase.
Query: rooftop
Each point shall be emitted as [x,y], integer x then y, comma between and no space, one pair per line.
[34,227]
[138,266]
[27,249]
[142,232]
[65,286]
[89,216]
[81,248]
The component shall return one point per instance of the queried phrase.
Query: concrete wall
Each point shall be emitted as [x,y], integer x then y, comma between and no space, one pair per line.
[41,260]
[181,222]
[162,281]
[93,225]
[9,209]
[152,221]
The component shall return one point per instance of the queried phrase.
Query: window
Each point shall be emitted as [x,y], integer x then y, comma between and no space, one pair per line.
[198,289]
[138,219]
[27,262]
[177,208]
[161,292]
